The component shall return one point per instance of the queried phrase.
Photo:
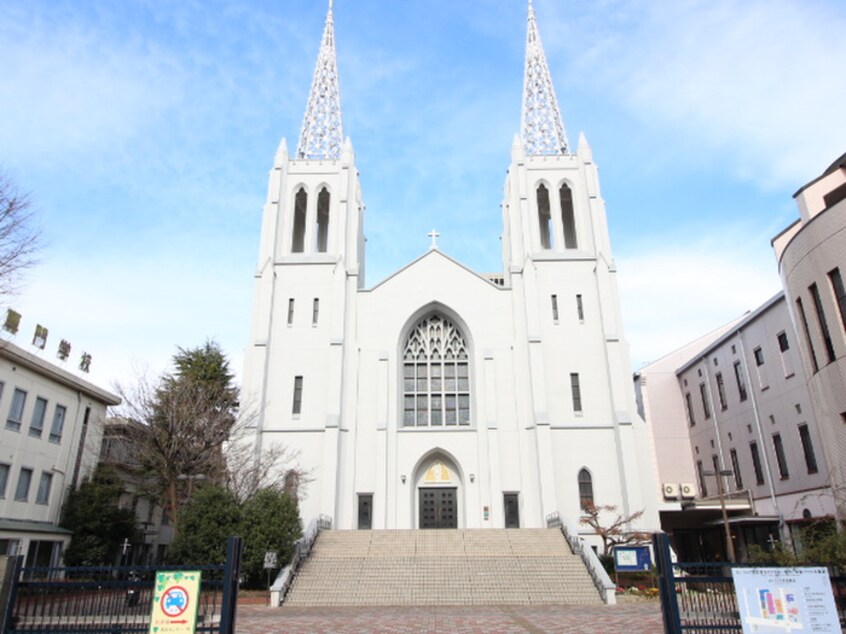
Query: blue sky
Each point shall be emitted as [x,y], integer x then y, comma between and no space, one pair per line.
[145,130]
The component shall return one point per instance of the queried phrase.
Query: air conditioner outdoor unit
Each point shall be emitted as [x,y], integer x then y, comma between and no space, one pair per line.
[688,491]
[671,491]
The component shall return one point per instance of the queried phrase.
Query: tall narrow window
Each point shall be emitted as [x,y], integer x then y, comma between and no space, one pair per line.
[58,424]
[290,311]
[322,221]
[703,394]
[43,494]
[4,479]
[315,311]
[298,239]
[544,218]
[703,487]
[436,375]
[759,356]
[822,321]
[783,347]
[585,489]
[24,480]
[756,463]
[721,391]
[781,460]
[555,308]
[580,309]
[298,395]
[36,425]
[808,449]
[13,422]
[576,390]
[741,382]
[800,307]
[735,467]
[568,218]
[839,294]
[689,402]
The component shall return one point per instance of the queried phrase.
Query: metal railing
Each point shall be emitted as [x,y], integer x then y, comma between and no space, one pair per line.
[302,549]
[606,588]
[114,599]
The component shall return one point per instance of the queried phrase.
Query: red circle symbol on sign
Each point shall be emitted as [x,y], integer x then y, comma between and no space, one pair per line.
[174,601]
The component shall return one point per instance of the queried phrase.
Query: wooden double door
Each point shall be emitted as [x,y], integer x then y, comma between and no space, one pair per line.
[438,508]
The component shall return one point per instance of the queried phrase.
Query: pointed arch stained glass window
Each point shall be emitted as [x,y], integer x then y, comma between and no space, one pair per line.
[436,375]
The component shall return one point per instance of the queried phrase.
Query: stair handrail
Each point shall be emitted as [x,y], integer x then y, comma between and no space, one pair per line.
[607,589]
[302,549]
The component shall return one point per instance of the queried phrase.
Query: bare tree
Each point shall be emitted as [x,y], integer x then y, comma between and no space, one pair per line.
[20,240]
[615,533]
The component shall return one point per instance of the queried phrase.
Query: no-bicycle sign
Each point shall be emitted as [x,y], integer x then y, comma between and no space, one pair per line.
[175,601]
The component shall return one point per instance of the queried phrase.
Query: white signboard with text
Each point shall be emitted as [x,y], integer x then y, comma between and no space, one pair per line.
[783,600]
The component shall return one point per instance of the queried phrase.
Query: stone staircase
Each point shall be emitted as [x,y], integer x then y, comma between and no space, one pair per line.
[442,567]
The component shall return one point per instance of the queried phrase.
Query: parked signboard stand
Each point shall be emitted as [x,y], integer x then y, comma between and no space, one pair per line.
[175,601]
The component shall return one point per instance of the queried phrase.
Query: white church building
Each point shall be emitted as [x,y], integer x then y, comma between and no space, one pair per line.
[441,397]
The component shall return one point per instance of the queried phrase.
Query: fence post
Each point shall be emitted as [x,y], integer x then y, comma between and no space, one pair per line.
[666,584]
[231,579]
[11,577]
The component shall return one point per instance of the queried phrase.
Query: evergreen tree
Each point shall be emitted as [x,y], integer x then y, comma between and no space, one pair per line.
[270,521]
[208,519]
[99,525]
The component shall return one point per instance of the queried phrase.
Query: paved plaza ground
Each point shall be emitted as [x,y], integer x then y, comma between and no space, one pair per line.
[634,618]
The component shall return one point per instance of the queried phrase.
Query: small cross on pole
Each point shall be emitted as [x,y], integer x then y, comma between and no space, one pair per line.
[434,235]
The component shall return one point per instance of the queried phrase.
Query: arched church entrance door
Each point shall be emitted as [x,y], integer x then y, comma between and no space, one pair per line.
[438,499]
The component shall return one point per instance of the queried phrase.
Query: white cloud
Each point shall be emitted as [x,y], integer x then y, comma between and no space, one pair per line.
[673,291]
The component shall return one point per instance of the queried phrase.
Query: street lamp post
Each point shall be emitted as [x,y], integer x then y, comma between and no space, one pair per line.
[721,492]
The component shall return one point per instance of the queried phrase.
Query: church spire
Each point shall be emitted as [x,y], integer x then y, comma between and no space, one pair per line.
[322,133]
[542,127]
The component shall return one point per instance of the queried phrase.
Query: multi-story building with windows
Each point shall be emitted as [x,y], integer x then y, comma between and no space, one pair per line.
[811,257]
[441,397]
[50,432]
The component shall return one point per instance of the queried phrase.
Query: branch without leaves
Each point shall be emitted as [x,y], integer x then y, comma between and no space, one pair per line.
[615,533]
[20,240]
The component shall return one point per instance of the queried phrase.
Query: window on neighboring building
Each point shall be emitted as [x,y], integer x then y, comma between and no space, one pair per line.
[783,347]
[290,311]
[24,480]
[555,308]
[839,291]
[703,395]
[58,424]
[568,218]
[13,422]
[580,309]
[315,311]
[703,487]
[298,395]
[36,425]
[741,382]
[436,375]
[756,463]
[735,467]
[721,391]
[576,391]
[585,489]
[689,402]
[800,307]
[822,321]
[4,479]
[298,235]
[322,221]
[808,448]
[783,343]
[781,459]
[43,494]
[759,356]
[544,217]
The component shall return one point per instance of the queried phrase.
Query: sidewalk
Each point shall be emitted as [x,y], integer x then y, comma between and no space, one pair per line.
[636,618]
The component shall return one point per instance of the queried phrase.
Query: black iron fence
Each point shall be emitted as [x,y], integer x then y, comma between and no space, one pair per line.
[700,597]
[111,600]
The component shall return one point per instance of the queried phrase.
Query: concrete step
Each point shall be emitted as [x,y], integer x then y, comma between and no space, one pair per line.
[442,567]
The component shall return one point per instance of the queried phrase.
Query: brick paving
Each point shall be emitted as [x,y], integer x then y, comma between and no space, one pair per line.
[634,618]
